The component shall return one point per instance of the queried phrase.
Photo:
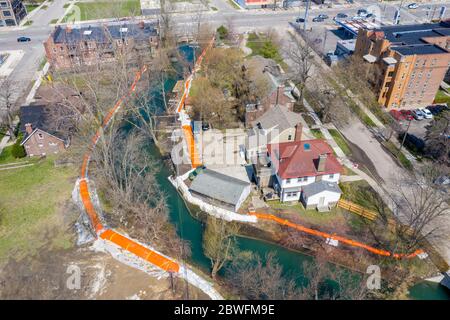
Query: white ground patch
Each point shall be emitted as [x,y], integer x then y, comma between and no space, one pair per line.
[14,57]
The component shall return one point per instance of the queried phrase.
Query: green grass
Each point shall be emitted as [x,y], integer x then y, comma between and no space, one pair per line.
[340,140]
[31,7]
[53,21]
[317,133]
[104,9]
[309,216]
[441,97]
[28,23]
[398,155]
[65,6]
[263,46]
[359,192]
[30,198]
[234,5]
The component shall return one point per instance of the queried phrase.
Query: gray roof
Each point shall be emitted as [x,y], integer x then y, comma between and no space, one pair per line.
[219,186]
[320,186]
[102,33]
[419,49]
[278,116]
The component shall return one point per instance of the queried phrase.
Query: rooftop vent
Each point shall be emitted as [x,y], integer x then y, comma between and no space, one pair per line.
[87,32]
[123,30]
[307,147]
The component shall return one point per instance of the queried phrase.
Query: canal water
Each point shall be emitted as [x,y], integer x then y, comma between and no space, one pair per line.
[191,230]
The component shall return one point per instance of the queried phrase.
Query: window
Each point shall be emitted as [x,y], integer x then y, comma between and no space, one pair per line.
[302,179]
[331,176]
[40,136]
[288,180]
[391,73]
[290,137]
[7,13]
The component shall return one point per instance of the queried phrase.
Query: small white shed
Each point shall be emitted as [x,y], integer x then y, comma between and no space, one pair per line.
[320,195]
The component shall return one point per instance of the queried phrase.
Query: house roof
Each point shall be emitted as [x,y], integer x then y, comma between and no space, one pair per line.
[38,117]
[320,186]
[219,186]
[102,33]
[296,159]
[279,117]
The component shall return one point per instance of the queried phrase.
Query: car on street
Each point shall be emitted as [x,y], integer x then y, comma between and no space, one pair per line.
[317,19]
[407,114]
[23,39]
[426,113]
[397,115]
[413,5]
[322,16]
[418,115]
[340,15]
[300,20]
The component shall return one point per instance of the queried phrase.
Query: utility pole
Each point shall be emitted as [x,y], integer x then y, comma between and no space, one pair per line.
[306,14]
[404,136]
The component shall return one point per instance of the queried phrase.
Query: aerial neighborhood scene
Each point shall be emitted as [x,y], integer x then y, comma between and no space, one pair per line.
[224,150]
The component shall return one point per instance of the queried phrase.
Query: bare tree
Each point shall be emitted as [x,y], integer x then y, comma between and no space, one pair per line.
[302,60]
[7,106]
[219,242]
[437,138]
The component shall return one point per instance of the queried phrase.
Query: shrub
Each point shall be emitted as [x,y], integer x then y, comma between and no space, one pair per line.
[17,150]
[223,32]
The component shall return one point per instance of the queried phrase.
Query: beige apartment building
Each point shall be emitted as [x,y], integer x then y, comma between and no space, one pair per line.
[12,12]
[411,61]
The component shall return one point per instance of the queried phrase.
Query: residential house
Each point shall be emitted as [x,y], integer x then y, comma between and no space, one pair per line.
[305,171]
[279,93]
[12,12]
[90,44]
[40,138]
[278,124]
[411,61]
[219,189]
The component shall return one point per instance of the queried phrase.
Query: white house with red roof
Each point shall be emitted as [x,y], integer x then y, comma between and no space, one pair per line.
[306,171]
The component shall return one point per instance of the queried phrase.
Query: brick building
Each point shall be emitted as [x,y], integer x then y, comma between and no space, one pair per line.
[81,44]
[411,61]
[39,138]
[12,12]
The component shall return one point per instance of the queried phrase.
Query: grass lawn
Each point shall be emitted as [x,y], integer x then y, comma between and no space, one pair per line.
[340,140]
[104,9]
[359,192]
[441,97]
[30,198]
[399,155]
[308,216]
[317,133]
[263,46]
[31,7]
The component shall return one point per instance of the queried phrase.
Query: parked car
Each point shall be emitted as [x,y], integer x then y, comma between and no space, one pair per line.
[436,109]
[426,113]
[370,15]
[362,12]
[413,6]
[413,143]
[418,115]
[317,19]
[397,115]
[340,16]
[323,16]
[23,39]
[300,20]
[407,114]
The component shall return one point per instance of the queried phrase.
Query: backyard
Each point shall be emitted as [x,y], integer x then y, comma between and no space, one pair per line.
[103,10]
[31,202]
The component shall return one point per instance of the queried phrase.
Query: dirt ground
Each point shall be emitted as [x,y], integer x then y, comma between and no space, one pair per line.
[49,276]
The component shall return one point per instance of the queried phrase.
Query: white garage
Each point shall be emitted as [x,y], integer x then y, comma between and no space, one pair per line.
[321,195]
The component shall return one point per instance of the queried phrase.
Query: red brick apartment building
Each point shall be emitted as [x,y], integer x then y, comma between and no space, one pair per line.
[82,44]
[412,61]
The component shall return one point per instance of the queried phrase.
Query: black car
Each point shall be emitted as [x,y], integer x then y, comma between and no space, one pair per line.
[413,143]
[300,20]
[341,16]
[437,109]
[317,19]
[23,39]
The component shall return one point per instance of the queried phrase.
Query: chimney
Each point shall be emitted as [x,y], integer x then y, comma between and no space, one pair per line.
[68,29]
[141,24]
[280,92]
[298,132]
[321,163]
[28,128]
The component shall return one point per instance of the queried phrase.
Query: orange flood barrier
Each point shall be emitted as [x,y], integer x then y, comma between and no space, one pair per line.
[190,141]
[271,217]
[141,251]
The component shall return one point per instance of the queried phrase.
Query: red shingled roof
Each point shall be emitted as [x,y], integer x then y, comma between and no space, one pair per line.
[300,158]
